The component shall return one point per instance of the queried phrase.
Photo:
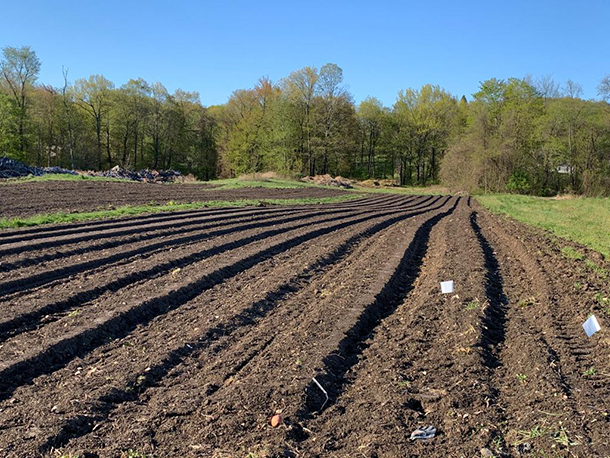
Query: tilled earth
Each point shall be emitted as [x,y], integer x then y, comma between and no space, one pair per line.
[182,334]
[26,199]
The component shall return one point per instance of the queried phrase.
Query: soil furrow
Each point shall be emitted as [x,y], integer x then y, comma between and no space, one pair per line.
[27,283]
[551,397]
[23,284]
[129,225]
[225,317]
[369,315]
[245,320]
[49,231]
[155,230]
[113,239]
[62,352]
[23,199]
[412,367]
[495,312]
[29,320]
[319,321]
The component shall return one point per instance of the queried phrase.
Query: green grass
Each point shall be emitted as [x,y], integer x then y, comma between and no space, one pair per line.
[60,177]
[600,271]
[571,253]
[589,372]
[472,305]
[584,220]
[56,218]
[527,302]
[273,183]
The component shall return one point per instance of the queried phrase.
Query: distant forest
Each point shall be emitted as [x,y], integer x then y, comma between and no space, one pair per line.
[527,135]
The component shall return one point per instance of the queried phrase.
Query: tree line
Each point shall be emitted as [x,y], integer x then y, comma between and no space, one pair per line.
[519,135]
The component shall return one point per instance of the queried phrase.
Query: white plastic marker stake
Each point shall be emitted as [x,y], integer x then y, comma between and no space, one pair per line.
[591,326]
[447,287]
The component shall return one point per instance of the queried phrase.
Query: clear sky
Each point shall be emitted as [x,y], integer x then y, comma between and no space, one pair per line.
[215,47]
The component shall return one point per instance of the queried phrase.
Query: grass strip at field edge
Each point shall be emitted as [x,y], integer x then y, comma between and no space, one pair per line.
[62,217]
[581,220]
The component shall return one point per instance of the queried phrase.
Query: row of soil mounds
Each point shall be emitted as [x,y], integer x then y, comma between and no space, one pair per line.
[31,198]
[182,334]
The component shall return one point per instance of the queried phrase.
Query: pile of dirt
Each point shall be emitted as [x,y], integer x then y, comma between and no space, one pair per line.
[10,168]
[147,175]
[379,183]
[327,180]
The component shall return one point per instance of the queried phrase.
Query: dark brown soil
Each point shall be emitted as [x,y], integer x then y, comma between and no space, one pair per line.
[183,334]
[26,199]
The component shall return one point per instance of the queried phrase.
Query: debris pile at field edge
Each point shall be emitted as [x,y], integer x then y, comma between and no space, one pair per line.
[327,180]
[147,175]
[11,168]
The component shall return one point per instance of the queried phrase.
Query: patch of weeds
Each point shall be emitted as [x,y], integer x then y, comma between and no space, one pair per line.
[522,378]
[600,271]
[525,435]
[477,429]
[473,305]
[603,301]
[561,437]
[571,253]
[527,302]
[589,372]
[577,286]
[404,384]
[73,313]
[496,442]
[140,380]
[133,454]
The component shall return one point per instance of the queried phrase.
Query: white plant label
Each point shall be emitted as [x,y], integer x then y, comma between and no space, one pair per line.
[591,326]
[447,287]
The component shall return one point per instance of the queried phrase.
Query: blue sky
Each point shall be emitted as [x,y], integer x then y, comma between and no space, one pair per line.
[215,47]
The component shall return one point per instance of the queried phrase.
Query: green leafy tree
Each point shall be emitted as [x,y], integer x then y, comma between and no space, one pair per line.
[20,68]
[93,96]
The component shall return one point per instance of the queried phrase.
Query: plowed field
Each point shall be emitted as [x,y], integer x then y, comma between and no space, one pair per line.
[26,199]
[181,334]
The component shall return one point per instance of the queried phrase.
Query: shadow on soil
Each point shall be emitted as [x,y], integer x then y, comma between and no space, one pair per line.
[82,425]
[341,360]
